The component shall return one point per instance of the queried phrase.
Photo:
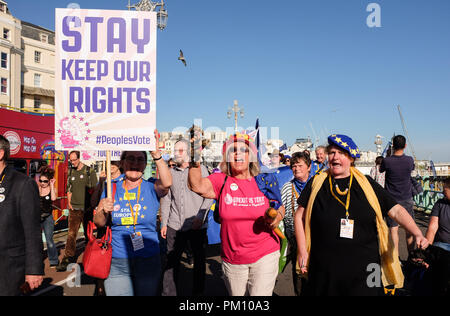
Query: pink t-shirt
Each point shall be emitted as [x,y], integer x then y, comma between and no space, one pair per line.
[245,236]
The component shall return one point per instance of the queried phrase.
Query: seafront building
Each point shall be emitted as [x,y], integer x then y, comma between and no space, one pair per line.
[27,67]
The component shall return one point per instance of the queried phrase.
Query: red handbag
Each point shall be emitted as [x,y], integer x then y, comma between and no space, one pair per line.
[98,252]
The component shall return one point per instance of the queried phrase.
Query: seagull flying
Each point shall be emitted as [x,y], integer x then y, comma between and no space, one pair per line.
[182,58]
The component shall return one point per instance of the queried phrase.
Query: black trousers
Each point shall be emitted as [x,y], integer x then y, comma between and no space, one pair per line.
[176,244]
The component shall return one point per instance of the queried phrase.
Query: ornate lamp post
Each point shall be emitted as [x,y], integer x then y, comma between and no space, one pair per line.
[378,142]
[236,110]
[148,5]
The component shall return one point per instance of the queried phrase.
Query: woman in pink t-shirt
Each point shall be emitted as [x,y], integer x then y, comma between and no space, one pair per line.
[250,248]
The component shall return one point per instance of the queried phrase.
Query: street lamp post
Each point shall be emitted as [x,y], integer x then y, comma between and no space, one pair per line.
[378,142]
[148,5]
[236,110]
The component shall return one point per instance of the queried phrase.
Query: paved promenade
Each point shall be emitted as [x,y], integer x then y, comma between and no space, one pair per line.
[76,283]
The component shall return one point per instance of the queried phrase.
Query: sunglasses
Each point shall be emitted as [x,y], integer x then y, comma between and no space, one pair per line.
[172,165]
[241,149]
[132,159]
[43,181]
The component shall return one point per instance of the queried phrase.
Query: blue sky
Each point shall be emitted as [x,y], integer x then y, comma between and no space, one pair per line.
[308,67]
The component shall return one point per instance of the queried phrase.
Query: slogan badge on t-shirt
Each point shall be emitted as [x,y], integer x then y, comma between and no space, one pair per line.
[234,187]
[127,221]
[130,196]
[347,228]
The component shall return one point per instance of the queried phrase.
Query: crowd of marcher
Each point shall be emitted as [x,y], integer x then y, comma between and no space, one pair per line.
[340,225]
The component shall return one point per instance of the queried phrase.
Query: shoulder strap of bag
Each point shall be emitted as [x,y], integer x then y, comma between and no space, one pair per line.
[108,235]
[220,193]
[216,210]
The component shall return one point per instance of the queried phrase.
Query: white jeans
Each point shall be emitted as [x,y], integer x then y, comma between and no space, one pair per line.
[255,279]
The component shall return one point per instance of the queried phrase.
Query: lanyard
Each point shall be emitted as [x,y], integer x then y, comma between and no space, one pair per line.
[1,181]
[134,216]
[347,203]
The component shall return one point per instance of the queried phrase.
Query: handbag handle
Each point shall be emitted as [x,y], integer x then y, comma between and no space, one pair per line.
[108,235]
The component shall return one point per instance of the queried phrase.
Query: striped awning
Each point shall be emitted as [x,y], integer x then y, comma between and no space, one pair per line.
[38,91]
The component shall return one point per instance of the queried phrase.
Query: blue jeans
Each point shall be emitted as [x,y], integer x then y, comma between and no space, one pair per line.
[408,205]
[48,225]
[442,245]
[134,277]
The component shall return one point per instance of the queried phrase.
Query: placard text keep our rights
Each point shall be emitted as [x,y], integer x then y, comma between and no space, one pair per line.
[119,35]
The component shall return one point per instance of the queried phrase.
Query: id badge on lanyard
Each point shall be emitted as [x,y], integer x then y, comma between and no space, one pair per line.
[347,226]
[137,241]
[136,237]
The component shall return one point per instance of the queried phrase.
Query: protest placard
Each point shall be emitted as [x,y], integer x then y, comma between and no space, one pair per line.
[105,85]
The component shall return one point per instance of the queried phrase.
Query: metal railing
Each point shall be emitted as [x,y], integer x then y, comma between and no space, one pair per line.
[432,192]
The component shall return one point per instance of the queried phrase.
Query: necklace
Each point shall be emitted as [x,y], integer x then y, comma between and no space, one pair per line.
[347,203]
[339,190]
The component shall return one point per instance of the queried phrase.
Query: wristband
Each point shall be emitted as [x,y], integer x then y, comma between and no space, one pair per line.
[282,216]
[156,159]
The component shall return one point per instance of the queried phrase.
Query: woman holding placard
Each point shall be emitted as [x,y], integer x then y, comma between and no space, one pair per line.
[136,264]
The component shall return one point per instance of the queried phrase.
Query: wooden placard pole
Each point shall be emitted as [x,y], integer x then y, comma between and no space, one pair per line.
[108,174]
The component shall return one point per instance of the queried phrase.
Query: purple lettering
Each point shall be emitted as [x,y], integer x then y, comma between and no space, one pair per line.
[66,69]
[98,106]
[121,40]
[90,69]
[76,99]
[129,92]
[94,21]
[140,42]
[79,69]
[119,70]
[144,71]
[112,99]
[69,33]
[102,69]
[145,108]
[132,75]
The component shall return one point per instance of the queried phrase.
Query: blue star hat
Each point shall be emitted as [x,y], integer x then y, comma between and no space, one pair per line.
[346,143]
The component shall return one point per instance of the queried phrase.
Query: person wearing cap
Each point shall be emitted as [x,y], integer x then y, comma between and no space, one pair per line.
[287,160]
[275,159]
[343,242]
[250,248]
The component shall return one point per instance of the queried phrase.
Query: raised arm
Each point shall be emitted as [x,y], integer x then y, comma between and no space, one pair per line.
[200,185]
[163,184]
